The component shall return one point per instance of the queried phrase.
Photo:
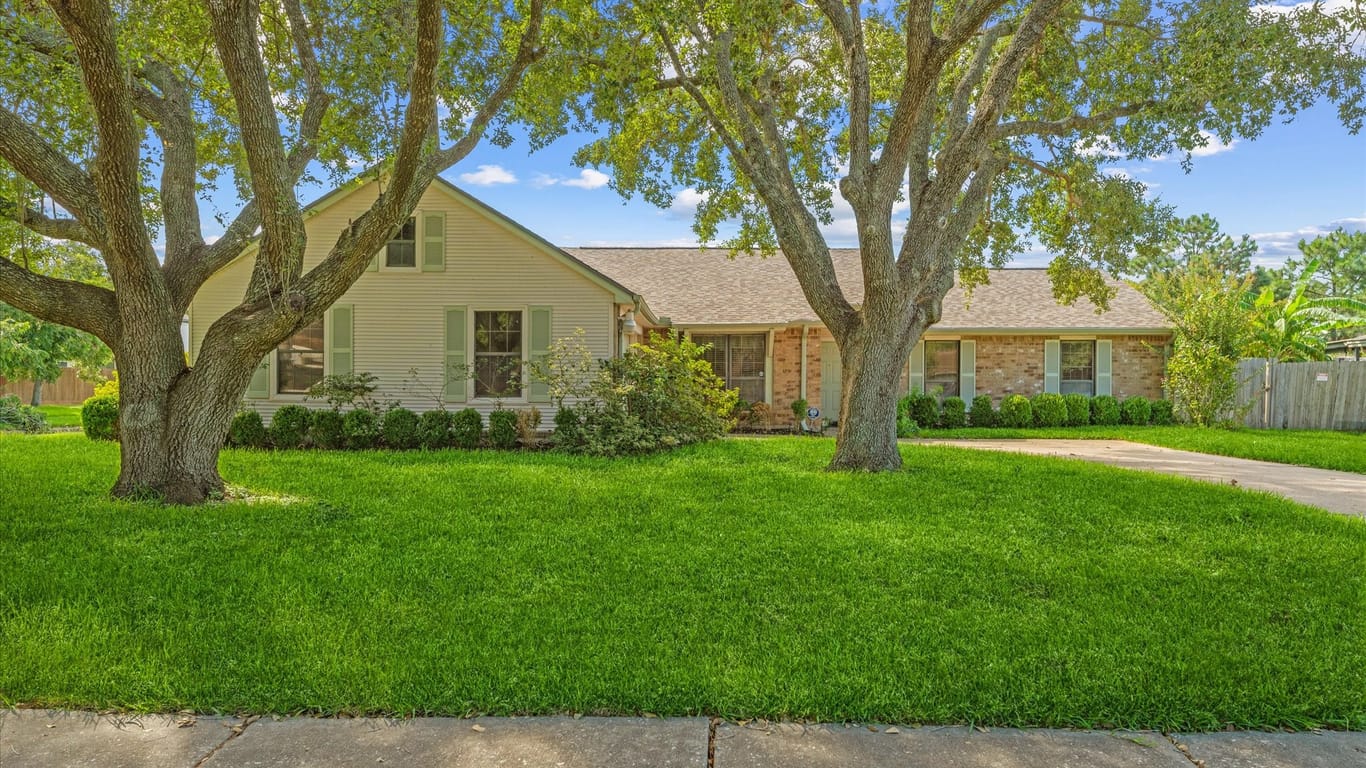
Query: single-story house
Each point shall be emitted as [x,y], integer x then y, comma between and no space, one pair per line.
[1346,349]
[462,288]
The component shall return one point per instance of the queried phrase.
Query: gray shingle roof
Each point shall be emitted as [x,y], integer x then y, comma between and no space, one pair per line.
[693,286]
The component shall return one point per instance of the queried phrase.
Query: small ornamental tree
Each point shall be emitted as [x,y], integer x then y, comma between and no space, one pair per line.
[956,132]
[113,118]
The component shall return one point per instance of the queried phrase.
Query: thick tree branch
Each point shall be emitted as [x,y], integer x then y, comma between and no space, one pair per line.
[47,226]
[56,175]
[85,307]
[968,20]
[1069,125]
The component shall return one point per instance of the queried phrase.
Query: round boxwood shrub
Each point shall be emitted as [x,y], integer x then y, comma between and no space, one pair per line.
[289,427]
[1050,410]
[100,417]
[361,428]
[1016,412]
[1078,409]
[247,430]
[569,426]
[1104,411]
[954,413]
[467,427]
[503,429]
[1137,411]
[326,430]
[400,429]
[434,429]
[923,409]
[983,412]
[1163,414]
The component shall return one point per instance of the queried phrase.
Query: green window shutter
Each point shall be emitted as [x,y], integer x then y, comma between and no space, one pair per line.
[918,367]
[539,349]
[433,241]
[967,369]
[456,368]
[1103,370]
[259,388]
[1052,365]
[338,334]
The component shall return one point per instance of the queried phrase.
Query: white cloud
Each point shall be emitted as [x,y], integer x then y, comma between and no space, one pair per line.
[1275,247]
[1213,146]
[589,178]
[1100,146]
[685,204]
[489,175]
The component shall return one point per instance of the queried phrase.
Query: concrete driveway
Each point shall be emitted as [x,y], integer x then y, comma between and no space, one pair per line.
[1341,492]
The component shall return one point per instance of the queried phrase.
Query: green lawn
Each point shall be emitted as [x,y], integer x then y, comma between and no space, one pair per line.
[1344,451]
[62,415]
[735,578]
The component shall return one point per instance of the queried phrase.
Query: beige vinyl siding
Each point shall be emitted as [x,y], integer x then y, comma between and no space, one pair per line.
[399,317]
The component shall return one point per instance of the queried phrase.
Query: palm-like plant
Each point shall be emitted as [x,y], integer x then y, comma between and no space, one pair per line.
[1297,327]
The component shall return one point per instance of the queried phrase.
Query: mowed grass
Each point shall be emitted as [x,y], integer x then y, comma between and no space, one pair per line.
[62,415]
[736,578]
[1345,451]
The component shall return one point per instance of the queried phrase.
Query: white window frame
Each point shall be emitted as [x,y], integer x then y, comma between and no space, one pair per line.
[470,344]
[417,250]
[1094,362]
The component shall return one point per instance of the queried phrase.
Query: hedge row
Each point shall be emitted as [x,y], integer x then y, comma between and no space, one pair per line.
[295,426]
[920,410]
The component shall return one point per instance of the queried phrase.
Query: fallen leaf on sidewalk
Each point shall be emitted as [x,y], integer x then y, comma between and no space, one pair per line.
[893,729]
[477,728]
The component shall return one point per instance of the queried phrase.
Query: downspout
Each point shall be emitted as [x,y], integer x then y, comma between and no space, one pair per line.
[803,383]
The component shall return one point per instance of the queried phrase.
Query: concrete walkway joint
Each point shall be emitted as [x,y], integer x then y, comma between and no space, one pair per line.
[54,739]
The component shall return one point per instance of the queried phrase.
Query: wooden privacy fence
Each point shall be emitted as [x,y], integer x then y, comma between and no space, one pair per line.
[68,389]
[1327,395]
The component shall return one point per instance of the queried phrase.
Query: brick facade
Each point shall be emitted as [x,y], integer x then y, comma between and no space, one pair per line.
[1006,365]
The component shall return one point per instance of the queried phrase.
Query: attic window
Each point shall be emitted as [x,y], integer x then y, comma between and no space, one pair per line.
[401,252]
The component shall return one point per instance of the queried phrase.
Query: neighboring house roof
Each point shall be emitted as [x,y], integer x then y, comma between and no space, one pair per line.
[1356,342]
[694,287]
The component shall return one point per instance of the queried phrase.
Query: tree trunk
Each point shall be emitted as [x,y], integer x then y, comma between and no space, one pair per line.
[870,383]
[37,398]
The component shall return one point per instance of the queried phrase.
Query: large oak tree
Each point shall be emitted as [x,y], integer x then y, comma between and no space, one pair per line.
[960,133]
[124,114]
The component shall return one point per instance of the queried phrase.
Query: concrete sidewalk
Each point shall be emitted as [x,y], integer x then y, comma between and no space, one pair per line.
[48,739]
[1341,492]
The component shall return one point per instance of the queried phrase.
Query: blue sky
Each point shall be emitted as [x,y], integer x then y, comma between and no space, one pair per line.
[1296,181]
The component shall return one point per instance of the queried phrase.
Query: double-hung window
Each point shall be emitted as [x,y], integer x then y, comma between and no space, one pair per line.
[401,251]
[1078,374]
[738,358]
[299,360]
[941,367]
[498,353]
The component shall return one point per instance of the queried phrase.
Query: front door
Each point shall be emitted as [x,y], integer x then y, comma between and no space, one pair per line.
[830,381]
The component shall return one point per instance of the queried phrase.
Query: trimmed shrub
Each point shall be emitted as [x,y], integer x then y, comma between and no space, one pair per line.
[15,414]
[503,429]
[467,427]
[568,427]
[361,428]
[327,430]
[1136,411]
[100,417]
[247,430]
[434,429]
[289,427]
[919,407]
[1050,410]
[954,413]
[799,407]
[906,427]
[1078,409]
[400,429]
[1164,413]
[983,412]
[1016,412]
[1104,411]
